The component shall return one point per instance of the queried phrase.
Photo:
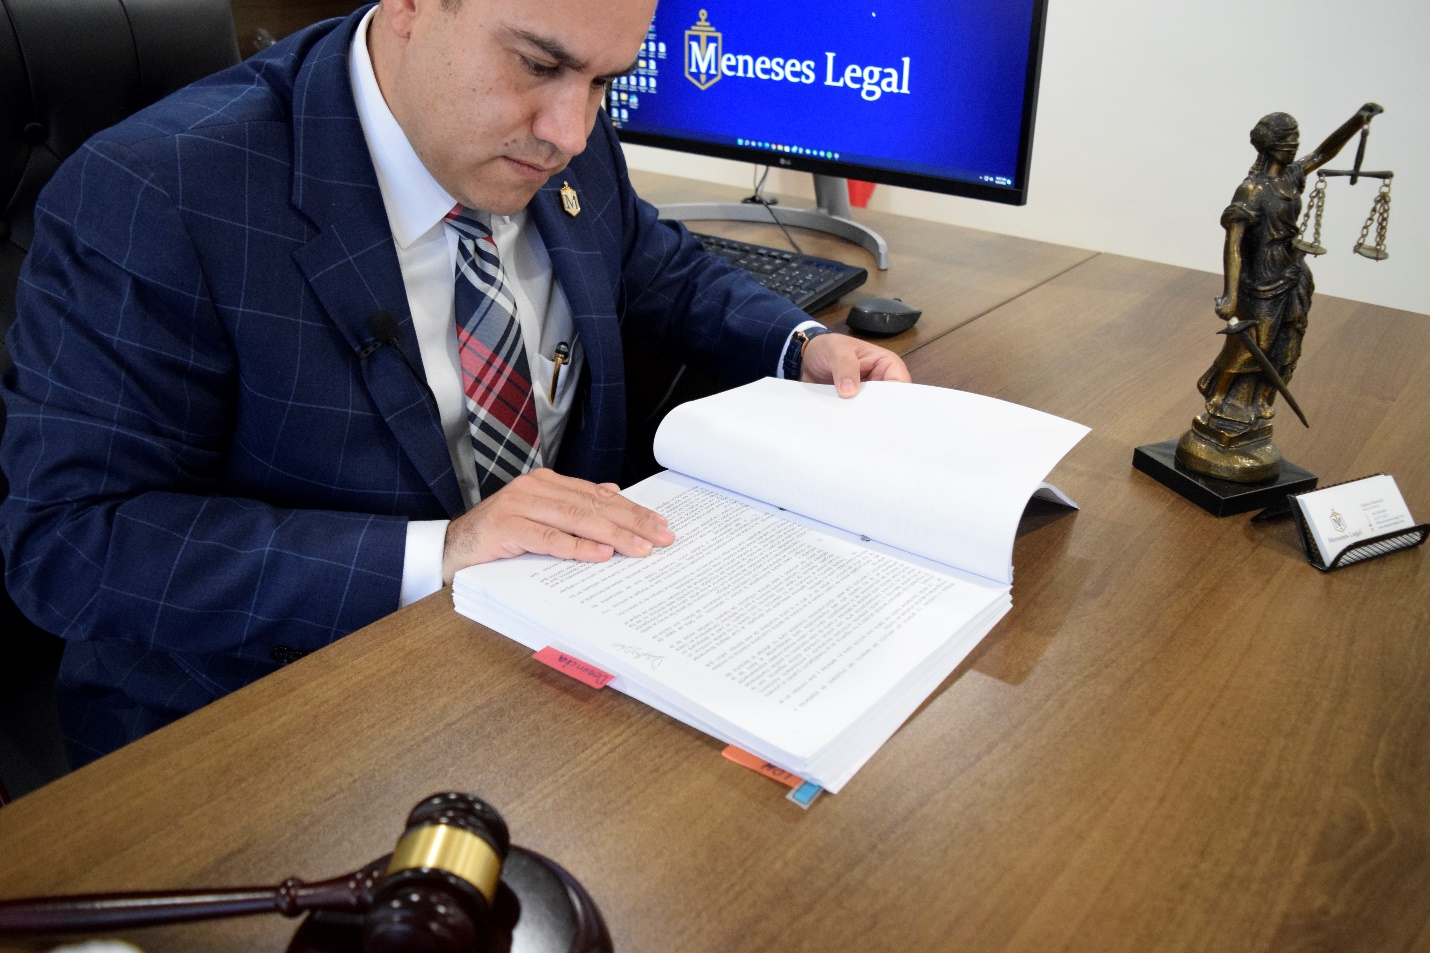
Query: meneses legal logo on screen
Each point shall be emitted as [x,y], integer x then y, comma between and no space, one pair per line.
[706,62]
[703,46]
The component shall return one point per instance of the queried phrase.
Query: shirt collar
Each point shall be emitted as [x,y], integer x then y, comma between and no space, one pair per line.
[414,201]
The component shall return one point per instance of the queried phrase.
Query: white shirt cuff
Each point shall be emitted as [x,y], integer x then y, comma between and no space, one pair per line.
[780,367]
[422,560]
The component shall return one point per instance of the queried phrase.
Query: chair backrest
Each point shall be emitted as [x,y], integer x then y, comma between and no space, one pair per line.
[69,68]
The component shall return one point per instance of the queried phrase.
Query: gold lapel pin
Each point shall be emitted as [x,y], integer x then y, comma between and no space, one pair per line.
[569,201]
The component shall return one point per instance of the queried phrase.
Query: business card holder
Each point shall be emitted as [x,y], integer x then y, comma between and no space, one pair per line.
[1382,545]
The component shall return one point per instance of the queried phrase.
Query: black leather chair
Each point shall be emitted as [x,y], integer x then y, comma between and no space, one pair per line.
[69,68]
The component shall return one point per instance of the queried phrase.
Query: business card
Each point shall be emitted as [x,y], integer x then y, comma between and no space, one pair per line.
[1350,513]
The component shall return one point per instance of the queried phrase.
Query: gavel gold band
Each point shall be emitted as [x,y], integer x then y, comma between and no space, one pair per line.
[458,852]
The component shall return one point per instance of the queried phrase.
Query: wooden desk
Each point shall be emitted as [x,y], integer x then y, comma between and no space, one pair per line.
[953,274]
[1181,738]
[1224,749]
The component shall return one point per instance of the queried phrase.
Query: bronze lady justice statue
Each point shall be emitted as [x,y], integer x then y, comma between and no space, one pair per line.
[1268,290]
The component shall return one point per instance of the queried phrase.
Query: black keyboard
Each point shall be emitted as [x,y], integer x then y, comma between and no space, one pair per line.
[809,282]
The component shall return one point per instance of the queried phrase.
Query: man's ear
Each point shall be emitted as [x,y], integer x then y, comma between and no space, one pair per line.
[397,16]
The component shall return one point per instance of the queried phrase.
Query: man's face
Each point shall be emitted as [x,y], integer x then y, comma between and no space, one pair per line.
[496,96]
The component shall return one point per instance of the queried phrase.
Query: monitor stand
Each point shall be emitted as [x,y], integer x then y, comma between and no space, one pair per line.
[831,215]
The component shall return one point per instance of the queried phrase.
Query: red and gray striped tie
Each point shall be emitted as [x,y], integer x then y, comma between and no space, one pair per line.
[496,379]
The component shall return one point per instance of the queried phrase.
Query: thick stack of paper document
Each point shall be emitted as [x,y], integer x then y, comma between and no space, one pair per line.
[834,561]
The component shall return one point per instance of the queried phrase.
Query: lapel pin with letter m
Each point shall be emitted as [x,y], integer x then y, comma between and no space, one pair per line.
[569,201]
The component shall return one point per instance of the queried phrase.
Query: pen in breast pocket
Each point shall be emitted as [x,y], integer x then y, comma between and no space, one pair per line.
[562,356]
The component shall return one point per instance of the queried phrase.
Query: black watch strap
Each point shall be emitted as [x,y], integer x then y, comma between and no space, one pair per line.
[794,354]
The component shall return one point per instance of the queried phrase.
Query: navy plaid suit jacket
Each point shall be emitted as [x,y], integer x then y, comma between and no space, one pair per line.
[211,466]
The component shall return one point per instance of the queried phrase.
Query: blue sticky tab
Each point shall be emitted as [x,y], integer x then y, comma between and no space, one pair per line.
[805,794]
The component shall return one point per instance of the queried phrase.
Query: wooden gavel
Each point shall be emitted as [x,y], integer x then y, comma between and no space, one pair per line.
[435,892]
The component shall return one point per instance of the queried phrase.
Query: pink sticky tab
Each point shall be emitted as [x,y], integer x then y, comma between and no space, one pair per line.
[581,671]
[759,765]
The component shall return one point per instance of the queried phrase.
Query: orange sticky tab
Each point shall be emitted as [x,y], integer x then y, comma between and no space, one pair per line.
[581,671]
[755,763]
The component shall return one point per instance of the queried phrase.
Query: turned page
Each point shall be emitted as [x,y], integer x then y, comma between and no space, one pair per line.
[935,472]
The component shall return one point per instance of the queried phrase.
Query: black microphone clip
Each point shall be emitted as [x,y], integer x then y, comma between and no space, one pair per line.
[383,326]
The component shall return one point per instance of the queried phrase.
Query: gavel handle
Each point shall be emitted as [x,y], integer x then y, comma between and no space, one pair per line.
[109,911]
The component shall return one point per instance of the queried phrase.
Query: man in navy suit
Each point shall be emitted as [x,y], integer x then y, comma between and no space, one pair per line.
[236,427]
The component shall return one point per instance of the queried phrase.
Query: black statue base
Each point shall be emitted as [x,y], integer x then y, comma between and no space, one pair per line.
[540,908]
[1219,497]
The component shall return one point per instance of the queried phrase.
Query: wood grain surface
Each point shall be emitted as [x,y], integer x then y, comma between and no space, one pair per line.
[952,274]
[1246,740]
[1182,738]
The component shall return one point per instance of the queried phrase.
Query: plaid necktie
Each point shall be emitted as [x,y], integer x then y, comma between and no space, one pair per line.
[496,379]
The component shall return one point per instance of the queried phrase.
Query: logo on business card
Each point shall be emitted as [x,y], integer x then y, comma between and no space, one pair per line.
[1338,521]
[703,47]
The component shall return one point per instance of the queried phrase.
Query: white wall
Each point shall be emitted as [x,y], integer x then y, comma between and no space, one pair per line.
[1142,127]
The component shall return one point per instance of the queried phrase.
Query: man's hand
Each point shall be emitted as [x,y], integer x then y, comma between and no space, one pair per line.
[844,361]
[544,512]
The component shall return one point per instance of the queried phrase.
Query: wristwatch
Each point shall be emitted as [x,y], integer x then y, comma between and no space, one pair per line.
[794,353]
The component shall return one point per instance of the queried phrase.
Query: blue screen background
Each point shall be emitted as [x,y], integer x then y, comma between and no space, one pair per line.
[961,117]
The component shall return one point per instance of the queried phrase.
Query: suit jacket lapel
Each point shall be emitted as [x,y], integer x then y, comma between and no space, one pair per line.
[351,264]
[594,446]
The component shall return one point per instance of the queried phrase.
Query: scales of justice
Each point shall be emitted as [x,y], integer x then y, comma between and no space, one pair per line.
[1228,462]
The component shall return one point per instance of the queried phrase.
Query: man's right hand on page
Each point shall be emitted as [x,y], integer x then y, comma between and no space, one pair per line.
[554,515]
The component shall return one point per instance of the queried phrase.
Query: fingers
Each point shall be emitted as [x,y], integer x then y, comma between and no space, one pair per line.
[845,371]
[557,507]
[546,513]
[844,361]
[889,367]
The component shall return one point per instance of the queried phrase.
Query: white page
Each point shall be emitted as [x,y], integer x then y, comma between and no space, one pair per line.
[767,629]
[866,738]
[932,471]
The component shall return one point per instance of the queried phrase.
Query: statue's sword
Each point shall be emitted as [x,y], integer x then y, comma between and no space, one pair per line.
[1243,328]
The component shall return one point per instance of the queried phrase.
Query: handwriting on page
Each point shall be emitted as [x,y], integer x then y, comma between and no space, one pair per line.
[638,654]
[754,597]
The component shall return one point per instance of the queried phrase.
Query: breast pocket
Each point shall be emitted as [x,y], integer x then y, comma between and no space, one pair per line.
[559,403]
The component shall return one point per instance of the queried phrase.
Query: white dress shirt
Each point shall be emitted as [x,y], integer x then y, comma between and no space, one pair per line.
[427,255]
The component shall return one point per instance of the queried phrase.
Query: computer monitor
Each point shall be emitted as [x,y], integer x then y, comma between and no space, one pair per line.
[929,94]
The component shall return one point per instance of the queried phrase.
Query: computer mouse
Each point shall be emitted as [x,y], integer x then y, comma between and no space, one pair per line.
[882,316]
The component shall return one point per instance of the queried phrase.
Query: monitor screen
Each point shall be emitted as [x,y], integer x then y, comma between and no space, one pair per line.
[929,94]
